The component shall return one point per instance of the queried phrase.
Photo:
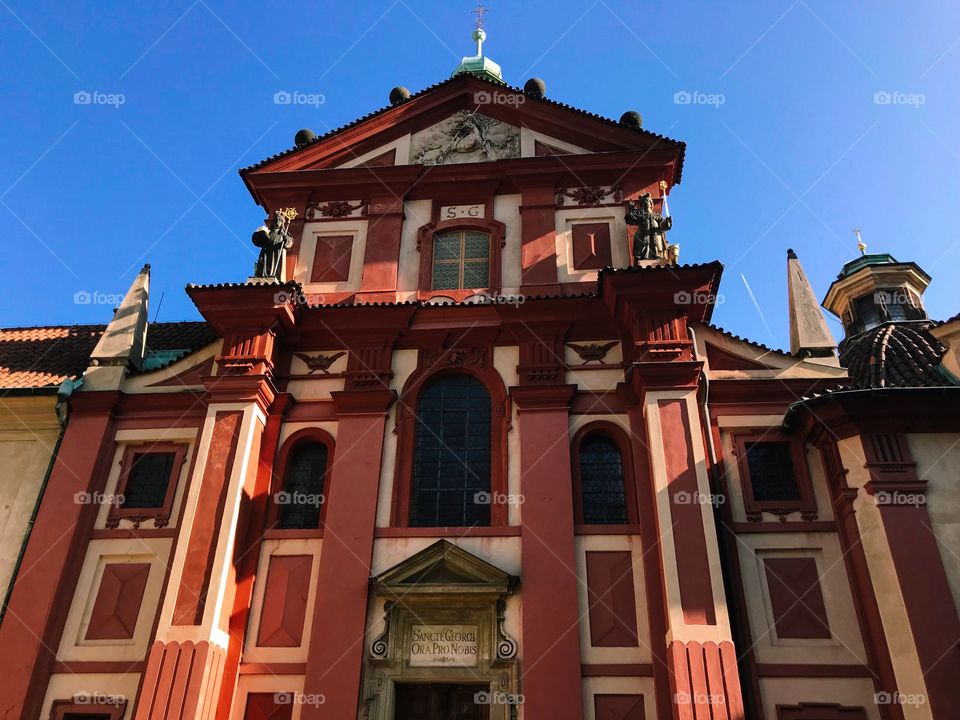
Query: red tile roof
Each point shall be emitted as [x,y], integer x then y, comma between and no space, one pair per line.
[35,357]
[902,354]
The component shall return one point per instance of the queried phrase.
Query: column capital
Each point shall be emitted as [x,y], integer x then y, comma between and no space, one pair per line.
[363,402]
[542,397]
[257,389]
[666,375]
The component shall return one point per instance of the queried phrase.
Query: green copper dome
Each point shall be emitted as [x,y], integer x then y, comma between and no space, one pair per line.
[478,64]
[866,260]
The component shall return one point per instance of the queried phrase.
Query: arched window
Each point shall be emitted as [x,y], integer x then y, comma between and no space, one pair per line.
[451,454]
[461,260]
[604,496]
[301,499]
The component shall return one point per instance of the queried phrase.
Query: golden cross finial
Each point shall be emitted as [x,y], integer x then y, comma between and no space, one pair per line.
[861,246]
[480,12]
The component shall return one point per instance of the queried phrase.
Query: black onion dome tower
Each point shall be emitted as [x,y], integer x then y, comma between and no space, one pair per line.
[887,340]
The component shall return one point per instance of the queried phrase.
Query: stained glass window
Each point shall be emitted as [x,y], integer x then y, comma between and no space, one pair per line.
[302,497]
[461,260]
[451,465]
[601,481]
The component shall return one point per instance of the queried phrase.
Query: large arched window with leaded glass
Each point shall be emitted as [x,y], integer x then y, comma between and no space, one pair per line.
[461,260]
[450,484]
[603,493]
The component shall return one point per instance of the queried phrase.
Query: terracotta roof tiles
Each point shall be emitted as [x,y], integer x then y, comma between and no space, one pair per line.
[902,354]
[39,357]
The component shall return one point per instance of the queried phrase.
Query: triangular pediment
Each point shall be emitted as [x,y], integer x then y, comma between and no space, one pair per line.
[443,567]
[466,120]
[720,359]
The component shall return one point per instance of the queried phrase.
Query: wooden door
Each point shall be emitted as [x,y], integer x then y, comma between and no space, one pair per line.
[440,701]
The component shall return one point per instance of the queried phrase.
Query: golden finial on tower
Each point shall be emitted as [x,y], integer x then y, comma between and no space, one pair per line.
[861,246]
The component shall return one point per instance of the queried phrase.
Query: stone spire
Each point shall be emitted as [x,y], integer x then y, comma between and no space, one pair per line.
[123,344]
[809,336]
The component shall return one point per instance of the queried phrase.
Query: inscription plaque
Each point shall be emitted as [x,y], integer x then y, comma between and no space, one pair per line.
[443,646]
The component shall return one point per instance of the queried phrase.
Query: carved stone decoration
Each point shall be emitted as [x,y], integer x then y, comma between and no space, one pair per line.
[649,242]
[591,195]
[320,362]
[593,351]
[506,645]
[458,357]
[273,241]
[541,356]
[381,646]
[444,622]
[335,209]
[465,137]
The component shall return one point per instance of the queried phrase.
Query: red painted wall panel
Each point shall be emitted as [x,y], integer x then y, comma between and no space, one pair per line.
[268,706]
[618,707]
[693,567]
[331,258]
[796,597]
[613,607]
[115,611]
[285,601]
[591,246]
[191,598]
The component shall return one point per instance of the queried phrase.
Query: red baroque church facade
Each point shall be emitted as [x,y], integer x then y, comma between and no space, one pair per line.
[456,452]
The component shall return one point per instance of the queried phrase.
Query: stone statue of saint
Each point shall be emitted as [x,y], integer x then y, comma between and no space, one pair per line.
[649,242]
[273,241]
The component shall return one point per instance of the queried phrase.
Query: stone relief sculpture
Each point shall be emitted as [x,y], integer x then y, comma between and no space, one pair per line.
[465,137]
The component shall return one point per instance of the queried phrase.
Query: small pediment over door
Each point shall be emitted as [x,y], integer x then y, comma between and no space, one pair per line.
[443,568]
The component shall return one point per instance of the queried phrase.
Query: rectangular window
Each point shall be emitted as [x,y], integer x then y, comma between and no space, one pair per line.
[106,707]
[147,484]
[771,472]
[773,475]
[461,260]
[149,479]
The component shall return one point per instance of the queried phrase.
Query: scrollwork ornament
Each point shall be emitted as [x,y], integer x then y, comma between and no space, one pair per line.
[506,645]
[381,646]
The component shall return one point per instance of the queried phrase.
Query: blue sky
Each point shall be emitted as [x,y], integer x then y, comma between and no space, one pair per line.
[789,143]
